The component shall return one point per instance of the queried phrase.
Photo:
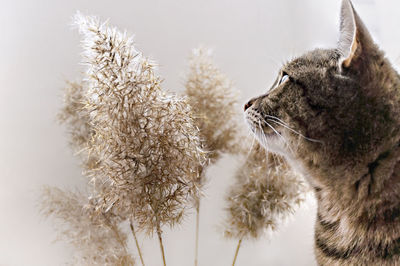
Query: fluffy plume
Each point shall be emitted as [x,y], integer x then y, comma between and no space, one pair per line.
[77,120]
[143,156]
[266,191]
[96,238]
[213,99]
[75,116]
[147,147]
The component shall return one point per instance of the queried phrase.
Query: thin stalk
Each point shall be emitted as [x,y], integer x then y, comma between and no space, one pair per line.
[137,243]
[196,248]
[161,243]
[236,252]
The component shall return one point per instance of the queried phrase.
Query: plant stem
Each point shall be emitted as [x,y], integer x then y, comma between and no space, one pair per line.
[237,251]
[136,241]
[196,248]
[161,243]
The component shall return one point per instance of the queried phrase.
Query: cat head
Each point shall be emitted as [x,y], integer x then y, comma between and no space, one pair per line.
[331,109]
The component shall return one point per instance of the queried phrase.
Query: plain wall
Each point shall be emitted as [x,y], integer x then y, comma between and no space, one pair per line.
[251,40]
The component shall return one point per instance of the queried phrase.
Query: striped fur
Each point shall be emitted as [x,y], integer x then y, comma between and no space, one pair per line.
[360,223]
[335,115]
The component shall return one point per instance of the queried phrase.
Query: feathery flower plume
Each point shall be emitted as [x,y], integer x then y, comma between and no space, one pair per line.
[143,156]
[96,237]
[147,147]
[265,193]
[213,100]
[75,116]
[77,120]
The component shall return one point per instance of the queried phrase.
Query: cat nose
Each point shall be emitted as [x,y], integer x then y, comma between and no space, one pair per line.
[248,104]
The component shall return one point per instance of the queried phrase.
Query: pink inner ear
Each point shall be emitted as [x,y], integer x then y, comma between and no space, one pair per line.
[355,40]
[353,49]
[348,29]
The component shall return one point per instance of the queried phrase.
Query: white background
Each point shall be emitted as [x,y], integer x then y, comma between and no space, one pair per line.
[251,39]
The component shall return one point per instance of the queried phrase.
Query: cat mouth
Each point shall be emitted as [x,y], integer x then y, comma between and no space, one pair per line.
[269,137]
[270,140]
[264,134]
[264,129]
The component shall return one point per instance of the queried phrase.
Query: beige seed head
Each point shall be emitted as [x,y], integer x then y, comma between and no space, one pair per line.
[147,147]
[214,100]
[75,116]
[266,191]
[97,239]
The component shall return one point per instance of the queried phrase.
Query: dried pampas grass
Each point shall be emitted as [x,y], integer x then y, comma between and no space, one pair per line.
[213,99]
[96,237]
[75,116]
[145,141]
[266,192]
[145,152]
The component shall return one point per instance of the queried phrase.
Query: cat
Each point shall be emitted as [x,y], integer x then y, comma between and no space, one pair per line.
[334,114]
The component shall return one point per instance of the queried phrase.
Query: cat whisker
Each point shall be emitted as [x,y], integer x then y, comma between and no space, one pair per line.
[251,147]
[264,139]
[260,134]
[274,117]
[284,140]
[280,122]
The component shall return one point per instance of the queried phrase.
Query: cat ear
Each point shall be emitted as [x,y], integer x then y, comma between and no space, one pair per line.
[355,39]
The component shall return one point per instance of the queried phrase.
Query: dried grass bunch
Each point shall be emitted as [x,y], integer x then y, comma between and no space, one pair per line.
[266,192]
[147,145]
[75,116]
[97,238]
[145,152]
[213,99]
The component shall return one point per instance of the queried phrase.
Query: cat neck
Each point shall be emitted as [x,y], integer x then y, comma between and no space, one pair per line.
[370,200]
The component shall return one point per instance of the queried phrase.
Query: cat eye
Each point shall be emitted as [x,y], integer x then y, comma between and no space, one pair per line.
[284,78]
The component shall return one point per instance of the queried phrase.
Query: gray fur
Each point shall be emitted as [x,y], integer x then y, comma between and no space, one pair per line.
[337,119]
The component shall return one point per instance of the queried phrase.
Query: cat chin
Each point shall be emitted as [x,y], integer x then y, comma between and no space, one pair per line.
[275,144]
[272,143]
